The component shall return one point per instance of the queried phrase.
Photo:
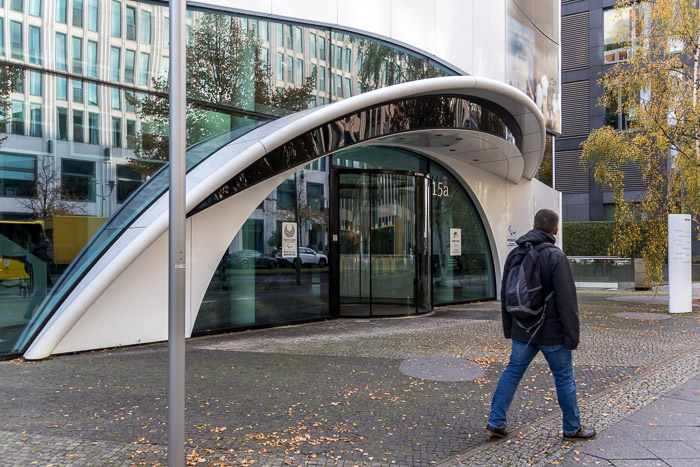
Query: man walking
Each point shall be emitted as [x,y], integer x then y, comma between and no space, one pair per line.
[555,332]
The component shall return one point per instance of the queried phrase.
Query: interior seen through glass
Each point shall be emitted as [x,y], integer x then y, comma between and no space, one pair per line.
[382,201]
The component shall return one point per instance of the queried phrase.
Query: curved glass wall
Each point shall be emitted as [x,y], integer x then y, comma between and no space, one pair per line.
[83,103]
[466,276]
[254,285]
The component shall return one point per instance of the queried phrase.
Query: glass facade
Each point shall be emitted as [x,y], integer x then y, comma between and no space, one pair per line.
[385,205]
[87,126]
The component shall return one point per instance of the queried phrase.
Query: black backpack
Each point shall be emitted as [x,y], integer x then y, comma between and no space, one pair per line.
[524,295]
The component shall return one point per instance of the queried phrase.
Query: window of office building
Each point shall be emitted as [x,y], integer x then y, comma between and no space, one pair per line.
[166,33]
[299,72]
[17,175]
[78,13]
[2,37]
[279,34]
[93,128]
[322,48]
[78,126]
[298,39]
[131,23]
[77,179]
[280,66]
[145,27]
[115,98]
[620,26]
[35,79]
[144,62]
[35,45]
[35,121]
[61,51]
[114,63]
[290,69]
[62,124]
[616,111]
[61,11]
[288,36]
[78,91]
[17,5]
[17,117]
[16,40]
[93,11]
[116,19]
[312,45]
[92,59]
[35,7]
[77,43]
[129,65]
[131,134]
[165,67]
[128,180]
[61,88]
[92,93]
[116,132]
[129,101]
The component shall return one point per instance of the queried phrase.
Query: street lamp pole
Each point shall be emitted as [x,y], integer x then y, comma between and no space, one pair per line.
[176,253]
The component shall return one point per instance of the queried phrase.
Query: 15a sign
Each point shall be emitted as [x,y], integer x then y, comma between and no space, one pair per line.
[440,189]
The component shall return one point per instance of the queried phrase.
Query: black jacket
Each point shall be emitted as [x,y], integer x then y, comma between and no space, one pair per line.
[561,323]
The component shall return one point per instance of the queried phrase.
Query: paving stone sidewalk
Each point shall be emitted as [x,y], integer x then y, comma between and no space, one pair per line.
[337,393]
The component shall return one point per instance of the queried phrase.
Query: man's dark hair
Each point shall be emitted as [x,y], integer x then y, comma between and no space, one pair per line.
[547,221]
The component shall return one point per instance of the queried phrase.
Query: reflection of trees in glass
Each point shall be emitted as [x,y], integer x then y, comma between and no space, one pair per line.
[48,198]
[10,78]
[224,68]
[381,65]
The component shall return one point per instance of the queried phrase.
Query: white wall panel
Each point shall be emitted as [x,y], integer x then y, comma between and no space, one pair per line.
[366,15]
[489,39]
[413,22]
[454,32]
[321,10]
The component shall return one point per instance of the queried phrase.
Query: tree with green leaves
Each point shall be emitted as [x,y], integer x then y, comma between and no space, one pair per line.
[657,88]
[225,74]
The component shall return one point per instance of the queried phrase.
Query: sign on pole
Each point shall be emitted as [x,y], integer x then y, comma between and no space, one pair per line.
[680,272]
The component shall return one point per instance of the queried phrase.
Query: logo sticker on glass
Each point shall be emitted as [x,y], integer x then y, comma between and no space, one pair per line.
[289,240]
[455,242]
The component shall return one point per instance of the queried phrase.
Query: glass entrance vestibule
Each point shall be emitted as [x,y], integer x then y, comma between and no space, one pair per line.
[381,243]
[374,227]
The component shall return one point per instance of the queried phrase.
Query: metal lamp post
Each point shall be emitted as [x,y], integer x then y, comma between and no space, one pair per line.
[176,254]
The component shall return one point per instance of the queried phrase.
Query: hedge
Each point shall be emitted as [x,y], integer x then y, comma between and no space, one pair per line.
[587,238]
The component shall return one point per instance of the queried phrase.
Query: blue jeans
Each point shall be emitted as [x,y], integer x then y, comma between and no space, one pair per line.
[560,362]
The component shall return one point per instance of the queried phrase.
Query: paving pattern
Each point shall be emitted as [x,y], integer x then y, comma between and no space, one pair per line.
[332,393]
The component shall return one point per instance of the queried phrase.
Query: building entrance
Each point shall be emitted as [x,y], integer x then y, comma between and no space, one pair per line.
[381,243]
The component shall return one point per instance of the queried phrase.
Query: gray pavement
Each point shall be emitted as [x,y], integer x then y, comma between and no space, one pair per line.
[341,393]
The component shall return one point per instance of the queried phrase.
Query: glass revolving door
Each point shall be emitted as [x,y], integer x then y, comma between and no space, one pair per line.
[382,243]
